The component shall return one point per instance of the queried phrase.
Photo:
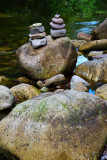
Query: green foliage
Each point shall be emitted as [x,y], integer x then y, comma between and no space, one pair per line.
[51,7]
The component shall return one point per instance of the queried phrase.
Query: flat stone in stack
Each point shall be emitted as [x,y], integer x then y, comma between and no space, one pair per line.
[57,27]
[37,35]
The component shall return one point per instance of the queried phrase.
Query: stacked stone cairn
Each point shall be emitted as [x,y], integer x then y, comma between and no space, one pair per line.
[57,27]
[37,35]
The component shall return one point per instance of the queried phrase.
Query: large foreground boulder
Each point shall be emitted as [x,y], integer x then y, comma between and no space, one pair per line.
[97,45]
[93,71]
[58,56]
[56,126]
[100,32]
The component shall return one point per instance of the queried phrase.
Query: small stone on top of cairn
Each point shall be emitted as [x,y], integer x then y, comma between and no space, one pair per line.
[57,27]
[37,35]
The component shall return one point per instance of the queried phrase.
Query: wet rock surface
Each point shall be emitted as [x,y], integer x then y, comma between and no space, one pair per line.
[94,46]
[51,125]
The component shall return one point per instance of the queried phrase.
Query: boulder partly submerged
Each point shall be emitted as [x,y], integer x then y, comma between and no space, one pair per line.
[58,56]
[56,126]
[96,45]
[100,32]
[93,71]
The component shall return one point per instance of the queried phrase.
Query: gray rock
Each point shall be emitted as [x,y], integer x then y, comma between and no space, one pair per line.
[57,26]
[57,20]
[100,56]
[58,33]
[44,89]
[57,16]
[36,43]
[95,53]
[7,99]
[55,127]
[57,79]
[79,84]
[57,57]
[35,30]
[37,36]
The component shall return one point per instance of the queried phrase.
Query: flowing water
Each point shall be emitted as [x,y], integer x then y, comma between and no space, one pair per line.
[14,33]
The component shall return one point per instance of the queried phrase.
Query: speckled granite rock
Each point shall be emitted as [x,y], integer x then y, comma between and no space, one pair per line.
[93,71]
[24,91]
[7,99]
[59,56]
[52,126]
[102,92]
[79,84]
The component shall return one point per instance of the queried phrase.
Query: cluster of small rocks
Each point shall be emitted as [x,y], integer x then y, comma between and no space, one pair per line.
[57,27]
[37,35]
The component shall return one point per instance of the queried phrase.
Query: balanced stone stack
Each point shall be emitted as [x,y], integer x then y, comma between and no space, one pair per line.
[37,35]
[57,27]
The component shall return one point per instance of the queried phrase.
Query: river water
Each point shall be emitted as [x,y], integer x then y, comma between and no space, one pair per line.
[14,32]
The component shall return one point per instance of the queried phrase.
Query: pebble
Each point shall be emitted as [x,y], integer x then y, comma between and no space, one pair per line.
[36,43]
[44,89]
[58,20]
[36,30]
[38,35]
[57,15]
[35,25]
[58,33]
[57,26]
